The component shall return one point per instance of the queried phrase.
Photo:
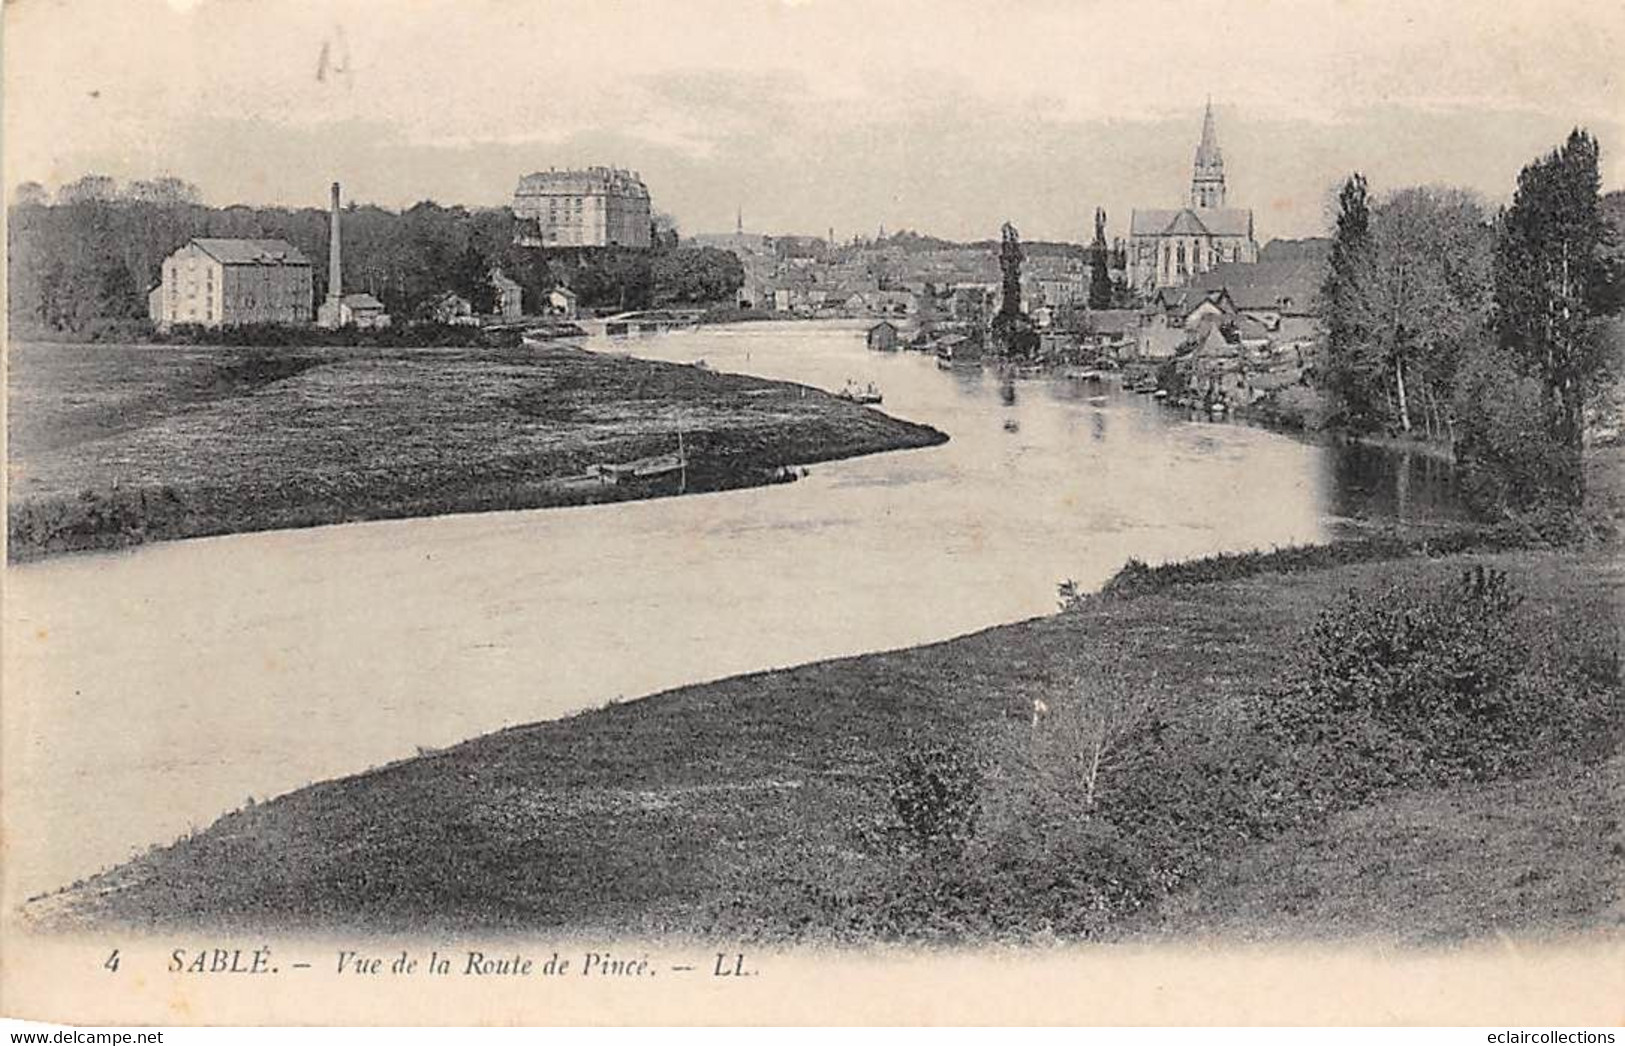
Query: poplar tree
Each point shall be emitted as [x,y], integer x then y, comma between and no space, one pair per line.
[1011,329]
[1010,258]
[1349,371]
[1100,278]
[1550,285]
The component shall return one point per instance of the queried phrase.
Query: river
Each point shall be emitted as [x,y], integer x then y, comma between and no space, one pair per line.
[169,684]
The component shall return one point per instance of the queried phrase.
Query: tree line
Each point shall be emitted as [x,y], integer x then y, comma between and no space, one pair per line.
[1485,332]
[87,258]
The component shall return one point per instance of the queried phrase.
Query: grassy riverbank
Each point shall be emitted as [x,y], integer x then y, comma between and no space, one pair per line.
[827,801]
[116,445]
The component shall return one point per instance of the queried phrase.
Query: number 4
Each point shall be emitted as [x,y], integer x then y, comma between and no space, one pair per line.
[111,964]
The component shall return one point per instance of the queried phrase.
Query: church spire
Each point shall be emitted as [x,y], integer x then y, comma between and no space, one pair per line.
[1207,178]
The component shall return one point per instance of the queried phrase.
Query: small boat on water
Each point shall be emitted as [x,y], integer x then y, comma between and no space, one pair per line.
[853,394]
[1160,394]
[1097,401]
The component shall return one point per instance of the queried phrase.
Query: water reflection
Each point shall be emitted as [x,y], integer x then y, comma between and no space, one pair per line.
[1366,482]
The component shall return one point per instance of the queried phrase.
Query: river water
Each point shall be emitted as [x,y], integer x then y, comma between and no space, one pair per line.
[168,684]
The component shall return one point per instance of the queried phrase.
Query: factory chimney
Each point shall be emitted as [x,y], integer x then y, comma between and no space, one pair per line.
[331,312]
[335,279]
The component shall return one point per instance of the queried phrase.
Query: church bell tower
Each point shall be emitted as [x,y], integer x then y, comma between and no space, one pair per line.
[1207,179]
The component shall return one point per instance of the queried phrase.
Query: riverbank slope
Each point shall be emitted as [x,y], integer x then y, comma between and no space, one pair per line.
[116,445]
[765,805]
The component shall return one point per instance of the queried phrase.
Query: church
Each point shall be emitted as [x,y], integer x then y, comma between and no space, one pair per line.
[1168,247]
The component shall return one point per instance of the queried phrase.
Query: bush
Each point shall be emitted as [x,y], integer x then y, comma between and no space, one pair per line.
[1506,458]
[1403,687]
[935,793]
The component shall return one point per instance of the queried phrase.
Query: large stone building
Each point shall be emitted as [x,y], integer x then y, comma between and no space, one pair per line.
[596,207]
[228,283]
[1168,247]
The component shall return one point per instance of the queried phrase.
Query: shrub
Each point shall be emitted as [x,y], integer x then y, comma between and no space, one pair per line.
[1507,460]
[1403,686]
[935,793]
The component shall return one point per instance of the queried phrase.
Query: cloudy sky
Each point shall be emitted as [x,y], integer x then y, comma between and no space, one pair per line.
[944,116]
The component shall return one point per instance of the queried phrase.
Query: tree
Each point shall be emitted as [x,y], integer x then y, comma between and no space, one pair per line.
[1100,276]
[697,275]
[117,296]
[663,232]
[1406,295]
[1010,258]
[1551,282]
[1505,458]
[30,194]
[1429,301]
[1348,369]
[471,278]
[1013,332]
[164,190]
[90,187]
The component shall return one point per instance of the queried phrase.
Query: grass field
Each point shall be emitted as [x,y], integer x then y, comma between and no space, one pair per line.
[759,806]
[1542,856]
[114,445]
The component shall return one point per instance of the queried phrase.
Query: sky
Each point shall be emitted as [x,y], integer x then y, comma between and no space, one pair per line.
[942,116]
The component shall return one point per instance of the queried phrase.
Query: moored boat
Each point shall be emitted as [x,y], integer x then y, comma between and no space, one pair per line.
[853,394]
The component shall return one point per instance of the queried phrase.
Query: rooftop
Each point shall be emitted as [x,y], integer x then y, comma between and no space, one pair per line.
[587,181]
[250,252]
[1188,221]
[1289,287]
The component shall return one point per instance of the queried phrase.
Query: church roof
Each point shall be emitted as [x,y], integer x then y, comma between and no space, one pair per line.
[1192,221]
[1151,222]
[1186,223]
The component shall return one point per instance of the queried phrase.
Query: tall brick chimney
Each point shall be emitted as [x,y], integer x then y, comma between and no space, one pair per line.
[330,313]
[335,277]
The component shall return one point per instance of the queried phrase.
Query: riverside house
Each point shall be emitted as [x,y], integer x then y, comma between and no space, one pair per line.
[882,337]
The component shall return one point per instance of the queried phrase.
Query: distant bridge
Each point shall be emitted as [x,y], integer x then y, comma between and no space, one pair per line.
[651,320]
